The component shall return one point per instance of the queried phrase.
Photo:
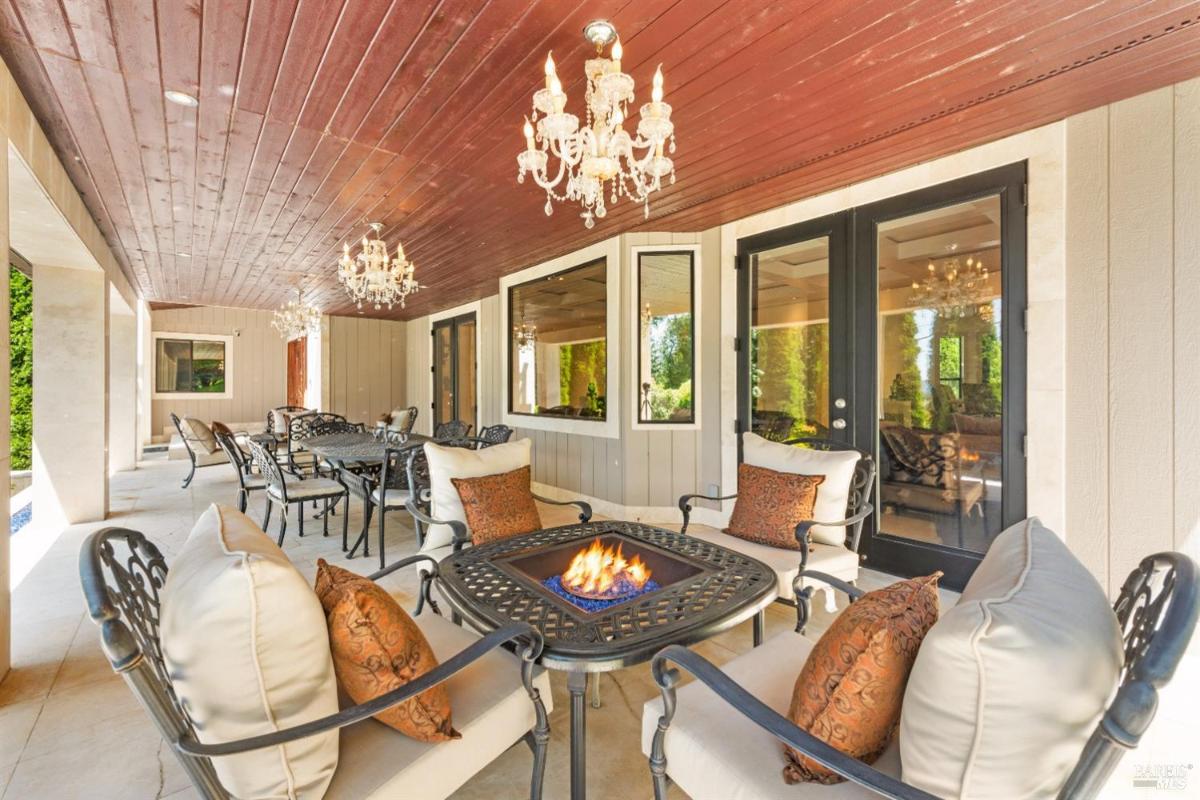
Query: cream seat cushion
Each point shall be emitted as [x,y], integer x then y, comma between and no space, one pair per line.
[1011,681]
[309,488]
[204,459]
[832,560]
[833,495]
[491,710]
[715,753]
[201,435]
[245,640]
[458,462]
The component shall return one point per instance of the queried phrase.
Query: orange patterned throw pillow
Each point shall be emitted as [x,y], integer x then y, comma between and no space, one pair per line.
[848,694]
[377,647]
[770,504]
[498,506]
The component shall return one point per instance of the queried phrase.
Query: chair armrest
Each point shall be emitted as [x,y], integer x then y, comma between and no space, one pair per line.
[460,529]
[585,509]
[766,718]
[685,505]
[532,646]
[804,526]
[804,595]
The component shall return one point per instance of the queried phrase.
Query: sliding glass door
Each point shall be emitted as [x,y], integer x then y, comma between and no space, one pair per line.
[454,391]
[898,327]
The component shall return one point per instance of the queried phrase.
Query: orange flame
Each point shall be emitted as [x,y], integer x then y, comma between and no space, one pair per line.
[595,569]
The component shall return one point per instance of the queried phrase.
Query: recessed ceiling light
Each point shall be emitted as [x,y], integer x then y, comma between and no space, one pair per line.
[181,98]
[184,255]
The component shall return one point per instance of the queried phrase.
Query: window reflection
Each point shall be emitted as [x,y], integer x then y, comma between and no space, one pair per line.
[940,375]
[558,345]
[666,336]
[187,366]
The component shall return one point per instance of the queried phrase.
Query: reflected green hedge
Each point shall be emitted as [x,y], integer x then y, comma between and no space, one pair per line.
[20,381]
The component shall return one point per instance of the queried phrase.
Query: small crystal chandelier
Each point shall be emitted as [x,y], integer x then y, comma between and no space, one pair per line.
[373,277]
[525,335]
[296,319]
[647,316]
[598,157]
[954,290]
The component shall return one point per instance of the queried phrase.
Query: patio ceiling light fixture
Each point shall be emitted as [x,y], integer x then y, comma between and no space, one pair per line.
[296,319]
[373,277]
[953,289]
[600,156]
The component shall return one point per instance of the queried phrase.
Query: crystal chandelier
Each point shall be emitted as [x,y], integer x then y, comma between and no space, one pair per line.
[954,290]
[525,336]
[599,157]
[647,316]
[373,277]
[296,319]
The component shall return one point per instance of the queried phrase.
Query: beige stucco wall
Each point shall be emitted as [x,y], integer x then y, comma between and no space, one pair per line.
[1132,366]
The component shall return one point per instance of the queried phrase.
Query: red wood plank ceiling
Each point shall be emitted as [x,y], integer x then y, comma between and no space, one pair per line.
[317,116]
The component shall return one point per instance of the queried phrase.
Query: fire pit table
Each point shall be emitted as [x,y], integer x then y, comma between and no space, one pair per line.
[692,590]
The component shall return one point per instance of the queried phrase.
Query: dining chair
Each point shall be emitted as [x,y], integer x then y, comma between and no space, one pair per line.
[306,426]
[243,463]
[493,434]
[454,429]
[197,448]
[297,492]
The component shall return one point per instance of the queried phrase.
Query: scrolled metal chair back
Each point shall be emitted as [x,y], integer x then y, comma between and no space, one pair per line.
[454,429]
[1157,610]
[861,486]
[493,435]
[227,442]
[325,427]
[123,575]
[311,424]
[417,473]
[410,421]
[285,410]
[268,467]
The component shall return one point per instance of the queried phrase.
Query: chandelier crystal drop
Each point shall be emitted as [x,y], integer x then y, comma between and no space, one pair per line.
[374,277]
[954,290]
[296,319]
[599,158]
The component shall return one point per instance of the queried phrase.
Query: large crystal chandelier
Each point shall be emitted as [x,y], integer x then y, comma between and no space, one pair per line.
[599,157]
[373,277]
[525,335]
[296,319]
[954,290]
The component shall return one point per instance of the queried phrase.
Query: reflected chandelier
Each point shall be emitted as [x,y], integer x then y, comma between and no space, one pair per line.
[296,319]
[373,277]
[954,290]
[525,336]
[598,157]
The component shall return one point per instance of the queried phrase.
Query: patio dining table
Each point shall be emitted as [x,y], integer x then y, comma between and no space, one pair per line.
[706,589]
[363,447]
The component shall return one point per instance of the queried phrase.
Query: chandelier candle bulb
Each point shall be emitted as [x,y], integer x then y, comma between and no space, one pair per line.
[616,56]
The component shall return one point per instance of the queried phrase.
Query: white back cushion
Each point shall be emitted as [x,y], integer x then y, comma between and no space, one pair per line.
[201,434]
[832,495]
[1011,681]
[458,462]
[245,639]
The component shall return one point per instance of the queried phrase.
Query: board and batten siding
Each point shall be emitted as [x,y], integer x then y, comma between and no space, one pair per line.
[259,373]
[365,375]
[1133,312]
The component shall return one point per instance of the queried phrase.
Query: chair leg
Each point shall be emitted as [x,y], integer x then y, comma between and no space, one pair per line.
[325,518]
[760,620]
[283,515]
[300,517]
[345,520]
[267,516]
[242,499]
[190,475]
[382,516]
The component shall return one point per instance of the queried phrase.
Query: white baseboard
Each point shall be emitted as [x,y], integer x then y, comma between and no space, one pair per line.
[651,515]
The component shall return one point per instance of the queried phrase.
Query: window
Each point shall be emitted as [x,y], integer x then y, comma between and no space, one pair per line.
[558,347]
[191,365]
[666,336]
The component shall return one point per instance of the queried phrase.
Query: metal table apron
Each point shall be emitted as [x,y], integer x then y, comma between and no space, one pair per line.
[730,589]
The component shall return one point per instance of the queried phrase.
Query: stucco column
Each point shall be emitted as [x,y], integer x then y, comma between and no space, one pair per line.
[70,415]
[122,384]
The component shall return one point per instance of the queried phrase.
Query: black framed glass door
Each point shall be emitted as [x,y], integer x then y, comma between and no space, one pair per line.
[794,322]
[899,327]
[454,370]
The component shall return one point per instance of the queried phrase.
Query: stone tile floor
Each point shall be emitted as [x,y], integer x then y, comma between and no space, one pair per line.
[70,729]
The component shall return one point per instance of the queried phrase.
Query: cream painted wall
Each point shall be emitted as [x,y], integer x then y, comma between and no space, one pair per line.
[1133,311]
[259,366]
[365,370]
[122,384]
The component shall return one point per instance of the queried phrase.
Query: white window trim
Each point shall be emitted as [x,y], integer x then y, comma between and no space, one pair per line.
[475,308]
[635,332]
[197,337]
[610,428]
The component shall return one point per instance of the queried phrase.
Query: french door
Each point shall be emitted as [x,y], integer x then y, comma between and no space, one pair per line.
[898,327]
[454,370]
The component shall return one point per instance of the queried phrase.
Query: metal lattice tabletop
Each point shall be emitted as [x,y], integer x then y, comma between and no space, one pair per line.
[354,447]
[728,589]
